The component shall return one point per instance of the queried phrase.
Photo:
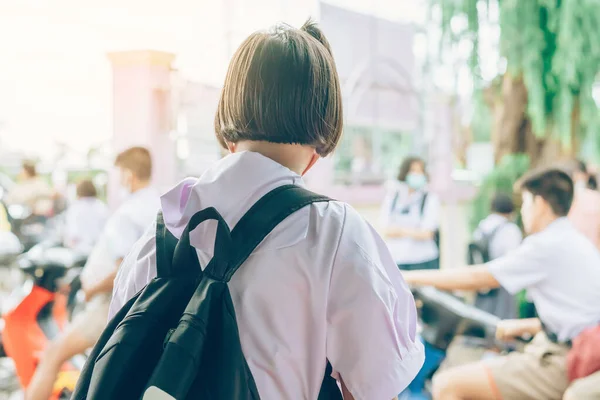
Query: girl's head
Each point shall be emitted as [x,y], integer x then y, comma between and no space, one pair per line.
[282,87]
[412,172]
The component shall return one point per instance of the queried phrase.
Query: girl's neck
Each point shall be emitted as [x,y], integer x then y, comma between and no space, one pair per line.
[292,156]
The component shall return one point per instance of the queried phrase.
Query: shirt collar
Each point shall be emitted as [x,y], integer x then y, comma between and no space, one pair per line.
[558,224]
[228,184]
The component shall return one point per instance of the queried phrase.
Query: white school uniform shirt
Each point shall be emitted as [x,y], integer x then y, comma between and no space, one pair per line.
[322,286]
[506,235]
[122,230]
[84,222]
[560,268]
[405,212]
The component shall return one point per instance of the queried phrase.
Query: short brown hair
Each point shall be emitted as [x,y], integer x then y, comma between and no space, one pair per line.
[29,168]
[86,188]
[137,160]
[406,164]
[282,86]
[553,184]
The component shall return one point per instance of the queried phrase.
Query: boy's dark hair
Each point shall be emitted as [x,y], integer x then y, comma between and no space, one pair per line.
[137,160]
[592,183]
[502,204]
[405,166]
[554,185]
[581,166]
[29,168]
[86,188]
[282,86]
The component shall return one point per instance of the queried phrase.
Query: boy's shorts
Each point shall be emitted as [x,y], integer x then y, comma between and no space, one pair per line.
[90,323]
[587,388]
[539,373]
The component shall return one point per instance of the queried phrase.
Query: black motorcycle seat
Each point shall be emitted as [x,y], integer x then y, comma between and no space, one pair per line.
[56,258]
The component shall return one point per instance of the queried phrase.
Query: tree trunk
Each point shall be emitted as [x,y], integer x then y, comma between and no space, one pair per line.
[511,129]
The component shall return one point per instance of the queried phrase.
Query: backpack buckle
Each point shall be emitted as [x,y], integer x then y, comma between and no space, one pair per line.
[168,337]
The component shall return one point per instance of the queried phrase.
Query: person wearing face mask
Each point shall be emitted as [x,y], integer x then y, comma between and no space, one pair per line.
[410,218]
[121,231]
[585,212]
[559,268]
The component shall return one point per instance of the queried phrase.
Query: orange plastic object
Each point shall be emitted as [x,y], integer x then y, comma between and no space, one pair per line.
[23,338]
[65,382]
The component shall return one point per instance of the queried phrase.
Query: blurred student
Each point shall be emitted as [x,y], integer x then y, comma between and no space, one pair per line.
[4,221]
[560,270]
[410,218]
[31,191]
[322,286]
[496,236]
[85,219]
[122,230]
[585,212]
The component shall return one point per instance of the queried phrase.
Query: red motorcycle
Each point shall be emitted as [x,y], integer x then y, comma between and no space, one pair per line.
[37,312]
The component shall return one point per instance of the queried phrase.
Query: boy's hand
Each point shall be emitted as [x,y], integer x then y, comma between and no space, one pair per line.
[511,329]
[89,294]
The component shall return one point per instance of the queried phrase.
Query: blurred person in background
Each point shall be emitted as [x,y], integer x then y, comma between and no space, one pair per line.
[410,218]
[85,219]
[31,191]
[585,212]
[560,269]
[498,235]
[4,222]
[122,230]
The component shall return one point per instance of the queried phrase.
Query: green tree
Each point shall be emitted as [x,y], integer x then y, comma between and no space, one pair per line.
[542,103]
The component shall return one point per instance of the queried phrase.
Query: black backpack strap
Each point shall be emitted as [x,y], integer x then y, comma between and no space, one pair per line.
[497,229]
[185,256]
[395,201]
[165,247]
[257,223]
[486,239]
[423,203]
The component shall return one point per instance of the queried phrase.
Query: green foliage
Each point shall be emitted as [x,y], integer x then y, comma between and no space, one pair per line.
[554,45]
[387,147]
[481,122]
[501,180]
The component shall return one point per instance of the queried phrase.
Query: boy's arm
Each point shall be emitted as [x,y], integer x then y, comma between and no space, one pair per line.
[513,328]
[464,278]
[105,285]
[133,275]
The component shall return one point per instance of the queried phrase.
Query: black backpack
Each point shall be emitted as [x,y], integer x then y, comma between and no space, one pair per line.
[479,250]
[178,337]
[436,233]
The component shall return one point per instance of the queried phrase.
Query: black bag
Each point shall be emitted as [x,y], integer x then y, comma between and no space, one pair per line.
[178,337]
[479,250]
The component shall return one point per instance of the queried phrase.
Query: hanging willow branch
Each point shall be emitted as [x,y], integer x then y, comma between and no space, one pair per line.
[554,45]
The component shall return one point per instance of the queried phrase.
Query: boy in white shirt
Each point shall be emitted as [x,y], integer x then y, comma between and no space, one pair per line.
[322,286]
[118,236]
[560,268]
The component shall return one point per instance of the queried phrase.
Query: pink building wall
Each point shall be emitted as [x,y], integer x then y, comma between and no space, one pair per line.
[142,111]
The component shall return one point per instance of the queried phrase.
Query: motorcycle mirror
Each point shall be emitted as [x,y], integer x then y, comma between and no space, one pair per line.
[18,211]
[10,246]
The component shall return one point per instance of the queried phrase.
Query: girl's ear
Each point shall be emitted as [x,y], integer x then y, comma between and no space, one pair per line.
[312,162]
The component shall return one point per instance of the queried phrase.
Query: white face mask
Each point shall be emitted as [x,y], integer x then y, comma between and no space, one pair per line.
[527,210]
[125,185]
